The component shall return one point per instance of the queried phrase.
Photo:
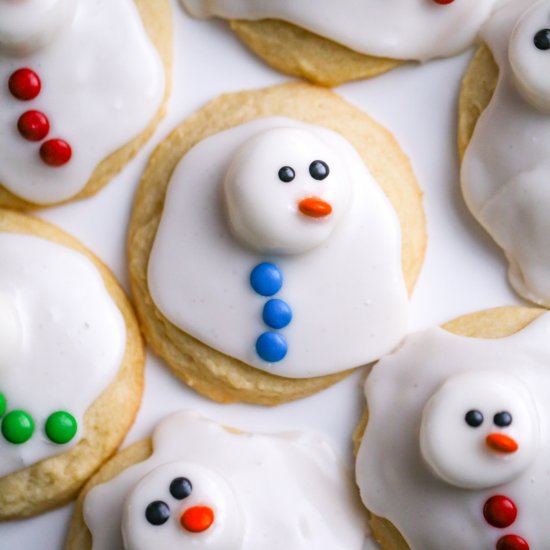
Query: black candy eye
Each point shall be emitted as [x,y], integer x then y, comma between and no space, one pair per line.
[474,418]
[157,512]
[286,174]
[181,488]
[318,170]
[502,419]
[542,39]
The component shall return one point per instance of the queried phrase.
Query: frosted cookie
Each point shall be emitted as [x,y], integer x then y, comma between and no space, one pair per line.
[273,240]
[455,452]
[331,42]
[71,366]
[200,485]
[504,136]
[83,84]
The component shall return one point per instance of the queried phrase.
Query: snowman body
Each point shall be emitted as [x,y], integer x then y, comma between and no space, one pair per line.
[464,464]
[339,275]
[101,83]
[506,167]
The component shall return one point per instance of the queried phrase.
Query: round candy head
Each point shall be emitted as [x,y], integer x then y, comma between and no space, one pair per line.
[479,430]
[285,191]
[182,505]
[529,54]
[10,331]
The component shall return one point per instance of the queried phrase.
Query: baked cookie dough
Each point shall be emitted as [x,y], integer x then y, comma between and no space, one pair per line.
[504,136]
[275,209]
[331,42]
[71,366]
[83,85]
[197,484]
[462,462]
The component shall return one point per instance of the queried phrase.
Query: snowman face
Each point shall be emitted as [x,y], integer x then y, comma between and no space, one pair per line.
[285,191]
[529,55]
[28,25]
[180,506]
[479,430]
[10,331]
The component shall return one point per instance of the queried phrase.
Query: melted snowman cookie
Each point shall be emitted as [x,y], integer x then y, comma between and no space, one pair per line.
[203,486]
[272,232]
[82,87]
[331,42]
[505,166]
[465,466]
[67,338]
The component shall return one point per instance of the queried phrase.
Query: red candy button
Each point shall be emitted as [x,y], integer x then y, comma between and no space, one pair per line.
[197,519]
[55,152]
[500,511]
[33,125]
[512,542]
[24,84]
[444,1]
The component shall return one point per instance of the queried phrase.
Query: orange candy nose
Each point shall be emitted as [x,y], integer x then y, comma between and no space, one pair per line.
[197,519]
[502,443]
[314,207]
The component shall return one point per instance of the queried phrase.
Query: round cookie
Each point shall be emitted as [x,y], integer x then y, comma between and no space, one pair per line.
[197,484]
[333,43]
[71,366]
[161,274]
[83,85]
[457,469]
[504,134]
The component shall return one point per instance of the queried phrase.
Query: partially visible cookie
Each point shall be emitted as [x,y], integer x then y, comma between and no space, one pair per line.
[199,484]
[83,86]
[71,366]
[330,43]
[265,257]
[461,464]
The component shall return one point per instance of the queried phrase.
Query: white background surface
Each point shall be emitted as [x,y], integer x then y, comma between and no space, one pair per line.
[464,271]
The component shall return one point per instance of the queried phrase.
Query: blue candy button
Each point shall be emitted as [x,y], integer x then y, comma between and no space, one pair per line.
[266,279]
[271,347]
[277,314]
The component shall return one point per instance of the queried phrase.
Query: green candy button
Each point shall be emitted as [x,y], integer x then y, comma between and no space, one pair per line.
[61,427]
[2,404]
[17,427]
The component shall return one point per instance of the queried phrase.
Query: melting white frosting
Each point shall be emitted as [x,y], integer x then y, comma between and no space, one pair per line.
[401,482]
[66,329]
[102,83]
[506,167]
[199,273]
[291,491]
[400,29]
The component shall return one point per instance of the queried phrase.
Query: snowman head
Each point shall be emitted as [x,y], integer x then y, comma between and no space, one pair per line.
[529,55]
[28,25]
[479,430]
[184,506]
[285,191]
[10,331]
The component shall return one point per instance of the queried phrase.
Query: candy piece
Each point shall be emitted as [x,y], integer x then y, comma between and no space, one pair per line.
[512,542]
[500,511]
[277,313]
[503,419]
[17,427]
[314,207]
[24,84]
[266,279]
[61,427]
[55,152]
[197,519]
[2,404]
[181,488]
[271,347]
[33,125]
[287,174]
[444,2]
[319,170]
[474,418]
[157,513]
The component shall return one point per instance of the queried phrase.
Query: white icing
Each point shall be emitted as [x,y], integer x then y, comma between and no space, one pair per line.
[291,491]
[400,29]
[348,296]
[506,165]
[102,83]
[10,331]
[70,331]
[28,25]
[464,374]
